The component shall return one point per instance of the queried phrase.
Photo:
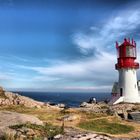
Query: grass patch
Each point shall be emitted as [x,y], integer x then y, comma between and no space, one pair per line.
[64,111]
[103,125]
[44,113]
[95,115]
[91,115]
[46,130]
[18,108]
[7,137]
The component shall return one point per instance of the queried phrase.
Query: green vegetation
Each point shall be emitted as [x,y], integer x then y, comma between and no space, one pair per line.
[44,113]
[103,125]
[3,96]
[2,93]
[18,108]
[8,137]
[99,122]
[46,130]
[64,111]
[91,115]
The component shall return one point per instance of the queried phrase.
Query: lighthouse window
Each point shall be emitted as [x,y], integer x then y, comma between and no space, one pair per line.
[129,51]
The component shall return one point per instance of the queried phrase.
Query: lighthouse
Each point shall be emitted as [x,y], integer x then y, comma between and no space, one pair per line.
[126,89]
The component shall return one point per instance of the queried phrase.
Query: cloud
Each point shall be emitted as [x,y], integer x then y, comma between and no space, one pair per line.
[115,28]
[5,76]
[84,42]
[90,88]
[90,71]
[98,69]
[93,73]
[102,39]
[45,78]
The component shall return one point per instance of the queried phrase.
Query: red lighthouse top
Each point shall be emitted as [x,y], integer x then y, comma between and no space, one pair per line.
[126,55]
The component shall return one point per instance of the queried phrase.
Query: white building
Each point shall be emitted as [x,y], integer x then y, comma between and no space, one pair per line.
[127,88]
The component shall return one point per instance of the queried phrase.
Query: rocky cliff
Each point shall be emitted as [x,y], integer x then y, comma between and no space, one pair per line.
[9,98]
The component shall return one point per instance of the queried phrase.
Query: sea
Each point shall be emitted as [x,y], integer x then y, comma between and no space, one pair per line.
[69,99]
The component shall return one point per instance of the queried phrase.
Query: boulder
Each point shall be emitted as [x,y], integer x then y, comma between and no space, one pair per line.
[122,107]
[124,110]
[10,98]
[58,137]
[76,134]
[70,117]
[134,116]
[16,99]
[94,107]
[8,118]
[61,105]
[84,104]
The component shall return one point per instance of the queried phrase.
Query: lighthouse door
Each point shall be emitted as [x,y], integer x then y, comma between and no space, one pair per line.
[121,91]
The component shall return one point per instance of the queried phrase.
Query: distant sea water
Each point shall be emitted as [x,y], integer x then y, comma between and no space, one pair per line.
[69,99]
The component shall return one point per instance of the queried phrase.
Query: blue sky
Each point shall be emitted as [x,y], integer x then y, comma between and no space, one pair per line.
[64,45]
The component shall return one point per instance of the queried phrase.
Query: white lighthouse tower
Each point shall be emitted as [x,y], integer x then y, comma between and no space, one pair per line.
[126,89]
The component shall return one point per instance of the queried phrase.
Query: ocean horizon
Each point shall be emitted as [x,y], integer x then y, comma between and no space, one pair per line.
[71,99]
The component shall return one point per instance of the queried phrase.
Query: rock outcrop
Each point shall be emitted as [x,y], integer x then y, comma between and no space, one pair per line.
[9,98]
[134,116]
[8,118]
[69,117]
[124,109]
[75,134]
[100,107]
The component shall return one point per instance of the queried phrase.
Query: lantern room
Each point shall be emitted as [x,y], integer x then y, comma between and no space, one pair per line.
[126,54]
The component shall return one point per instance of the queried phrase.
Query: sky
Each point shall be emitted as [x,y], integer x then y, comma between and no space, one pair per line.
[64,45]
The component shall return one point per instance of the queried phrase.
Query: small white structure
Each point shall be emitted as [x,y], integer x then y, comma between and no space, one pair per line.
[127,87]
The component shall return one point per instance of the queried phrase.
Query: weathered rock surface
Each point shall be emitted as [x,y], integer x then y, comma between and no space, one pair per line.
[17,99]
[8,118]
[61,105]
[9,98]
[121,107]
[69,117]
[100,107]
[134,116]
[25,133]
[124,109]
[74,134]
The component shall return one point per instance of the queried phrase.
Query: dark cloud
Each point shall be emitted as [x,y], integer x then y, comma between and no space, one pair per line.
[66,3]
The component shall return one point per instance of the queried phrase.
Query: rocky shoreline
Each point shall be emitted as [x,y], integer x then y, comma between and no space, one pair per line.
[10,98]
[123,111]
